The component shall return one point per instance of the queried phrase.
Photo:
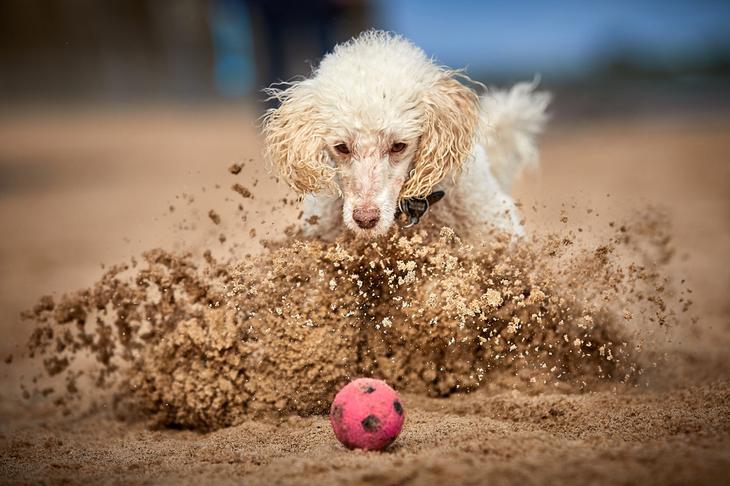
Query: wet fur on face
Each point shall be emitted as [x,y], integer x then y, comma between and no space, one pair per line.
[378,121]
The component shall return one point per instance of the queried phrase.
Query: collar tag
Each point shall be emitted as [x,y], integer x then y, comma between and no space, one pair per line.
[415,207]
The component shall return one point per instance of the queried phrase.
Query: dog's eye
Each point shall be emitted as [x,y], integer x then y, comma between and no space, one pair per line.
[397,147]
[342,148]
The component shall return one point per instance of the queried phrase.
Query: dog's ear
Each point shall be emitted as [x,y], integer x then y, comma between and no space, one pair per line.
[294,141]
[451,121]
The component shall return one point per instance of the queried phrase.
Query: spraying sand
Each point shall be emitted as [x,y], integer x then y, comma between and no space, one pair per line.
[204,344]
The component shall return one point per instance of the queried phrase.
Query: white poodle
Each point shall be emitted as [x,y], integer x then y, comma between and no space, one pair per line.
[380,129]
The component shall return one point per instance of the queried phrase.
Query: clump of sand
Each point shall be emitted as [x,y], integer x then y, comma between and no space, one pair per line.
[201,343]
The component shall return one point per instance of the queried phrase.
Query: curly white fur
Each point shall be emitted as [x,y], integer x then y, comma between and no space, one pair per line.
[378,121]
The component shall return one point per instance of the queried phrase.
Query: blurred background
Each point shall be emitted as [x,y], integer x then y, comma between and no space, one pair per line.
[118,119]
[641,55]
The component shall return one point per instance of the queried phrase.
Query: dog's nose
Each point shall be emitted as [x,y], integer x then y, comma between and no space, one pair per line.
[366,218]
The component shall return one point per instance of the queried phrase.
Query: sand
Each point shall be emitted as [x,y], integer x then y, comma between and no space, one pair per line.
[189,411]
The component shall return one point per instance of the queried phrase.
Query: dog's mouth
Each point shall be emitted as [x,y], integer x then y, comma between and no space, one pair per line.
[377,230]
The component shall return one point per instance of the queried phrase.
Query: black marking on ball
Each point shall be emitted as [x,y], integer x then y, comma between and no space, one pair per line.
[337,413]
[398,407]
[367,389]
[371,423]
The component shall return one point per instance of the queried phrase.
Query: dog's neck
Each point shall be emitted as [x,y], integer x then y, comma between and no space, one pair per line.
[415,207]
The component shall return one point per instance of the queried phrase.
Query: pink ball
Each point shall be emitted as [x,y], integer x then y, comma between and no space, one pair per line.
[367,414]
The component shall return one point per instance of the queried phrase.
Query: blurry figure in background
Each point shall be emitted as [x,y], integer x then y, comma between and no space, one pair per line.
[289,31]
[230,28]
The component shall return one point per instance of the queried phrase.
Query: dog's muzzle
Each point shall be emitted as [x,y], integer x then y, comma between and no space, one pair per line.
[415,207]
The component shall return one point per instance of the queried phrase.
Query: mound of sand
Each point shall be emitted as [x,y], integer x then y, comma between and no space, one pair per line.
[204,344]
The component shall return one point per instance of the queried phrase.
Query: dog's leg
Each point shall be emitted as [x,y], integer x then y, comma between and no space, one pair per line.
[486,204]
[322,216]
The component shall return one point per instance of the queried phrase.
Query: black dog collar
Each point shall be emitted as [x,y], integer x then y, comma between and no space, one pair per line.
[415,207]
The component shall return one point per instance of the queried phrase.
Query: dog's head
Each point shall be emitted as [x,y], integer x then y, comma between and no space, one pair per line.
[377,122]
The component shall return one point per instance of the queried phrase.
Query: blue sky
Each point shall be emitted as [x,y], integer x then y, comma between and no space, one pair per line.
[553,36]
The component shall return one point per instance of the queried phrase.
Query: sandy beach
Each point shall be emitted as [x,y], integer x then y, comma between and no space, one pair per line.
[89,189]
